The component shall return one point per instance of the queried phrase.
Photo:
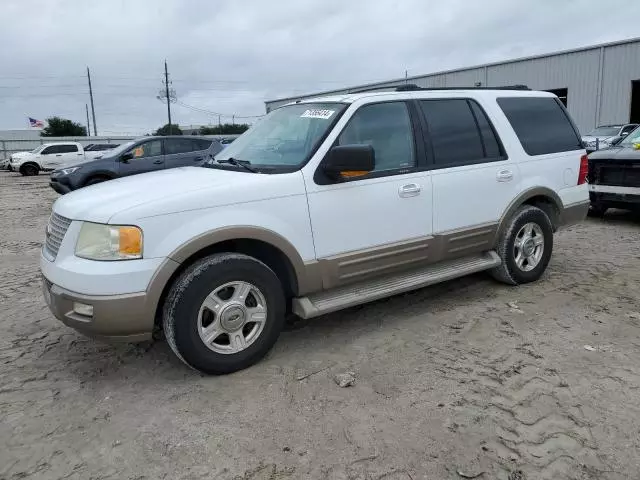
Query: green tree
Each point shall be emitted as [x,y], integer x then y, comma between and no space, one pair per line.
[61,127]
[225,129]
[164,130]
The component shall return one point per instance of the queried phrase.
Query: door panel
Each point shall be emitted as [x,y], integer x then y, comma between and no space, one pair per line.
[147,157]
[473,180]
[472,195]
[365,227]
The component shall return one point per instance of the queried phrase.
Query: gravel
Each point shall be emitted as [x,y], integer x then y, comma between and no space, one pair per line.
[470,376]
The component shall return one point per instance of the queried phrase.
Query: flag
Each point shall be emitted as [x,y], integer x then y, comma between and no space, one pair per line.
[36,123]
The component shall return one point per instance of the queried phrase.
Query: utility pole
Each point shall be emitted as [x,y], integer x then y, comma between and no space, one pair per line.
[93,110]
[406,76]
[166,88]
[86,107]
[233,119]
[219,123]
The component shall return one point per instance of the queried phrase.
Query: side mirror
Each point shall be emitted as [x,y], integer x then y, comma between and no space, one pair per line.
[624,134]
[348,161]
[126,157]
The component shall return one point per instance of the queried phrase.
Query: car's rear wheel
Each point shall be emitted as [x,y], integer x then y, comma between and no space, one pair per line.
[525,247]
[224,313]
[29,170]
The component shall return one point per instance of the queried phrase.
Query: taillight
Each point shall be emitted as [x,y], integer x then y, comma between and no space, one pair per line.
[584,170]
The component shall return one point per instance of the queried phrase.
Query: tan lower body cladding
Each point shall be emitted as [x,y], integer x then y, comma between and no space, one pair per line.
[365,264]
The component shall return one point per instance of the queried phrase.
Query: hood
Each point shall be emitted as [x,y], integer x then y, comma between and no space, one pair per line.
[616,153]
[20,154]
[173,190]
[590,138]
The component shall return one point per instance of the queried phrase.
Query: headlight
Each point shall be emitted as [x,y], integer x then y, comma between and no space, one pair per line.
[68,171]
[109,242]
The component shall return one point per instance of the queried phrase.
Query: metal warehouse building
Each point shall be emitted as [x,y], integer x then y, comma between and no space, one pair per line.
[599,84]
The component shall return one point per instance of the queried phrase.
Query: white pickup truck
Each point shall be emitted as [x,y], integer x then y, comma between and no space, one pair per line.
[49,156]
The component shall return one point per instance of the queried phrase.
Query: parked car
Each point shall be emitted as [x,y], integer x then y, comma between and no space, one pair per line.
[606,135]
[614,176]
[4,164]
[146,154]
[48,157]
[322,205]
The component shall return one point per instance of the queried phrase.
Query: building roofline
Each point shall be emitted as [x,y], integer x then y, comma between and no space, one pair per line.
[456,70]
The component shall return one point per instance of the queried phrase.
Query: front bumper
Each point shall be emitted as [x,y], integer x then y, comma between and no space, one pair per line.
[614,196]
[125,318]
[59,187]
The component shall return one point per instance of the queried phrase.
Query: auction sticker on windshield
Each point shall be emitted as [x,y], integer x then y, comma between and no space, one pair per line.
[323,114]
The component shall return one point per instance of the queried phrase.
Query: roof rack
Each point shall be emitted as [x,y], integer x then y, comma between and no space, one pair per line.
[411,87]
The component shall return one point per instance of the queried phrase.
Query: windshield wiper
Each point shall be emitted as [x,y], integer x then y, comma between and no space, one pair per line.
[239,163]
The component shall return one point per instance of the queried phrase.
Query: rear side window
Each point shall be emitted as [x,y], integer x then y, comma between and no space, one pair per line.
[541,124]
[460,132]
[68,148]
[202,144]
[180,145]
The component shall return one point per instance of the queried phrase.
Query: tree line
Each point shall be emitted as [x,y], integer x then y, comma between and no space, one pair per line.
[62,127]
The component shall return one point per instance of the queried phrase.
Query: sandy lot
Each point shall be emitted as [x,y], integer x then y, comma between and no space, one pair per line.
[470,379]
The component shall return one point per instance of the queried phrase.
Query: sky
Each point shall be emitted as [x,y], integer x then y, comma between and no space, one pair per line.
[228,56]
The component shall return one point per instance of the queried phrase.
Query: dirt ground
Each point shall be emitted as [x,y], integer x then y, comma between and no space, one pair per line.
[469,379]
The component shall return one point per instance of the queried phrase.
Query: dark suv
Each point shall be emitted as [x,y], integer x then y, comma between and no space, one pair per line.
[138,156]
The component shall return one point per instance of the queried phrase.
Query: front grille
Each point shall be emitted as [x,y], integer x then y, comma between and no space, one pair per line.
[622,174]
[56,230]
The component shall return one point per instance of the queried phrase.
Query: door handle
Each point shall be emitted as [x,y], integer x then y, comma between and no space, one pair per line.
[157,162]
[58,155]
[504,176]
[409,190]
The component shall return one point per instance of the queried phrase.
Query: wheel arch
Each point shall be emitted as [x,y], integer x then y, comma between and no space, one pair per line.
[542,197]
[265,245]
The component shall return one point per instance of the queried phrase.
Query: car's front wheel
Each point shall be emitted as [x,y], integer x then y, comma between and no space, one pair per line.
[29,170]
[224,313]
[524,247]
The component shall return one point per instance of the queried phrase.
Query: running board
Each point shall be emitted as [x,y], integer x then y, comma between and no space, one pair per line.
[348,296]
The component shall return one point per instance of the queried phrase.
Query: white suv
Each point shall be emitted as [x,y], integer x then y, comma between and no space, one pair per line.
[322,205]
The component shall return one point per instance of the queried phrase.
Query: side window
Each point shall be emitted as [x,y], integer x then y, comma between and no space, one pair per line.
[68,148]
[49,150]
[541,124]
[387,128]
[179,145]
[490,141]
[455,136]
[628,129]
[147,149]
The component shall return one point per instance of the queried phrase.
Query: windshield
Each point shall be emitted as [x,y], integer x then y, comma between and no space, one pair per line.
[633,137]
[285,137]
[604,132]
[121,149]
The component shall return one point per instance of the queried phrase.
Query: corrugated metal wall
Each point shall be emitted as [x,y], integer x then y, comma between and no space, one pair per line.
[621,67]
[598,80]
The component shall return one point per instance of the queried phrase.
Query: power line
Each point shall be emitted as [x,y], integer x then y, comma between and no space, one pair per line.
[215,114]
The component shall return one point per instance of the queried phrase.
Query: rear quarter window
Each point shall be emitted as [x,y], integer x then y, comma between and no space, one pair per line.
[541,124]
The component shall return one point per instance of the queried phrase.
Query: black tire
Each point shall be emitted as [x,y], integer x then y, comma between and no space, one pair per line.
[187,294]
[597,210]
[509,272]
[94,180]
[29,170]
